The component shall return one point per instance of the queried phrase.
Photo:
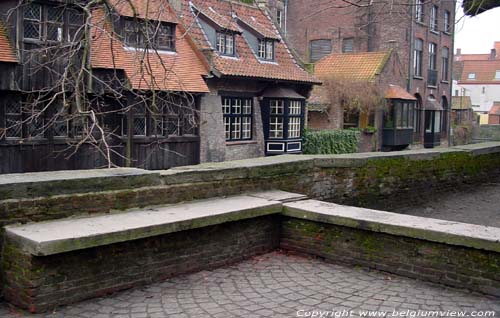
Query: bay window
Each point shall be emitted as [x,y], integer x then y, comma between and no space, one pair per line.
[237,114]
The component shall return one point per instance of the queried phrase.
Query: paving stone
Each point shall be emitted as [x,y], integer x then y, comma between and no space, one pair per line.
[275,286]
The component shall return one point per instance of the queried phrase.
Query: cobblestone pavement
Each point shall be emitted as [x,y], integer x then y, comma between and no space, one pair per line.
[275,285]
[476,204]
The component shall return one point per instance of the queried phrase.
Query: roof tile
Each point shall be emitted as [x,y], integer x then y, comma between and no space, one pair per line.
[181,70]
[484,70]
[7,52]
[158,10]
[356,66]
[245,64]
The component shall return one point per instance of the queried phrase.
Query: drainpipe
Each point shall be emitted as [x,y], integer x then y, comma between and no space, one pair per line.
[412,47]
[286,18]
[451,72]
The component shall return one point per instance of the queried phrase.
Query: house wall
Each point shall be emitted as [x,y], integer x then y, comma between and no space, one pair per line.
[374,28]
[481,95]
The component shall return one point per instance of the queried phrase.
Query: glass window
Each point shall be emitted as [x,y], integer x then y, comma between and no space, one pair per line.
[434,18]
[238,117]
[437,122]
[417,58]
[13,117]
[471,76]
[277,107]
[276,127]
[432,56]
[419,10]
[33,21]
[266,49]
[347,45]
[225,43]
[446,21]
[295,107]
[444,63]
[149,34]
[497,75]
[294,127]
[279,18]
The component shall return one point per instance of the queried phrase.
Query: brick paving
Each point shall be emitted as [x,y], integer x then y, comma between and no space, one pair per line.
[275,285]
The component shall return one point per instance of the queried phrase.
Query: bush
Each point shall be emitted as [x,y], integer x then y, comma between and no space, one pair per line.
[326,142]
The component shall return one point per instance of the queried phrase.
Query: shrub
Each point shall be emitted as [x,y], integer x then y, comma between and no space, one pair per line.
[331,141]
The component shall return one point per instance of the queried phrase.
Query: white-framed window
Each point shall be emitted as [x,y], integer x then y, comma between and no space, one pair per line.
[444,63]
[266,49]
[295,107]
[471,76]
[434,18]
[276,127]
[447,21]
[417,57]
[277,106]
[419,10]
[225,43]
[432,56]
[279,18]
[238,116]
[294,127]
[497,74]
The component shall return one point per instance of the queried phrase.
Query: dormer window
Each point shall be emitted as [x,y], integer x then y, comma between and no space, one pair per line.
[266,49]
[149,34]
[50,23]
[471,76]
[225,43]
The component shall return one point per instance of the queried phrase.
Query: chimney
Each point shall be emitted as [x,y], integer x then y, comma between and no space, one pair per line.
[262,3]
[496,45]
[459,52]
[493,54]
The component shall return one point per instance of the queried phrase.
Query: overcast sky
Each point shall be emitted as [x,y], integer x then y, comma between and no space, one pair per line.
[477,34]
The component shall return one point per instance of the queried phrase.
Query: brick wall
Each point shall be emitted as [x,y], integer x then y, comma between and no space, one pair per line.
[442,263]
[37,283]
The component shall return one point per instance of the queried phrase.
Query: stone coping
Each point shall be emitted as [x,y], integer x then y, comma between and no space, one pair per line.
[442,231]
[53,237]
[29,185]
[34,184]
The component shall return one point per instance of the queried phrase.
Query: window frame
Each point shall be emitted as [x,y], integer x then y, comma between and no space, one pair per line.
[225,41]
[434,19]
[418,57]
[231,117]
[285,118]
[344,46]
[419,11]
[147,34]
[432,56]
[447,22]
[279,18]
[266,49]
[445,61]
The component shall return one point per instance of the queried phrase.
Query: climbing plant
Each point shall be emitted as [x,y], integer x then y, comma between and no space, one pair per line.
[331,141]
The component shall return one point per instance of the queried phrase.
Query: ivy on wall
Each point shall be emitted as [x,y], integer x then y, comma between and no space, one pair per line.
[325,142]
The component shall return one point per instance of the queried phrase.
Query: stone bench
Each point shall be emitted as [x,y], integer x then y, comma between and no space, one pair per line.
[60,262]
[54,263]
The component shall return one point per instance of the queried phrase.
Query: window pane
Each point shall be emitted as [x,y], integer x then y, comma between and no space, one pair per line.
[294,127]
[227,127]
[32,30]
[437,122]
[247,128]
[276,127]
[229,45]
[226,106]
[269,50]
[236,106]
[139,126]
[247,107]
[295,107]
[277,107]
[236,128]
[262,49]
[33,11]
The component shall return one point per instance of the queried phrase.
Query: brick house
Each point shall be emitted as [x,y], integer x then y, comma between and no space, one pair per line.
[421,34]
[169,84]
[251,67]
[478,76]
[377,74]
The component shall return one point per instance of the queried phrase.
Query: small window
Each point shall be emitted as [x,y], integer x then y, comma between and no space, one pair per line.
[55,24]
[417,57]
[432,56]
[319,49]
[471,76]
[347,45]
[33,21]
[279,18]
[266,49]
[445,63]
[434,18]
[149,34]
[225,44]
[497,75]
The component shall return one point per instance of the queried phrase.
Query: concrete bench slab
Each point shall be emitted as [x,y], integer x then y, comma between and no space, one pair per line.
[449,232]
[47,238]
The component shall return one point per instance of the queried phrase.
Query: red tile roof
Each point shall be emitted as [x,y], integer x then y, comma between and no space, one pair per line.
[356,66]
[397,92]
[484,70]
[181,70]
[158,10]
[472,57]
[219,20]
[495,109]
[7,53]
[257,27]
[245,64]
